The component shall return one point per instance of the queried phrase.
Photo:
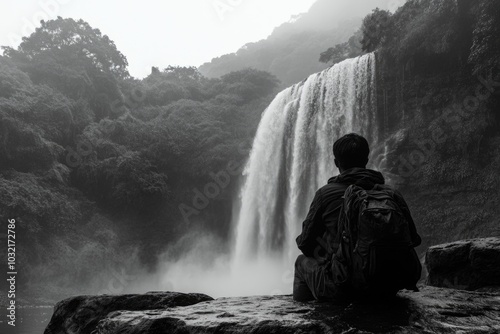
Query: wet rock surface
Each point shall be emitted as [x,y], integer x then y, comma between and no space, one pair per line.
[465,265]
[81,314]
[468,264]
[432,310]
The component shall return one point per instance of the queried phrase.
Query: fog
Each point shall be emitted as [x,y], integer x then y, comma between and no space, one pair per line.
[205,262]
[199,262]
[188,33]
[183,33]
[325,14]
[158,33]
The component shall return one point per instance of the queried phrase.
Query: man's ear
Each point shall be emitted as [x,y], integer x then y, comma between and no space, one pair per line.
[336,163]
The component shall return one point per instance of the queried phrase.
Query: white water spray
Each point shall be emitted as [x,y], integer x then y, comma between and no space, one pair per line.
[291,158]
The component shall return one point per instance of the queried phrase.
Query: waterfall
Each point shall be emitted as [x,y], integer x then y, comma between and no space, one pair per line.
[292,157]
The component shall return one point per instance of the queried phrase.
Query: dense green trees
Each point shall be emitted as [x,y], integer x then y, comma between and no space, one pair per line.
[486,38]
[74,44]
[438,100]
[95,164]
[75,59]
[290,52]
[350,49]
[376,29]
[88,153]
[410,34]
[411,31]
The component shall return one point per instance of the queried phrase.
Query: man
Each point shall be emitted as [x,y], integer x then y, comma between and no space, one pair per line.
[313,279]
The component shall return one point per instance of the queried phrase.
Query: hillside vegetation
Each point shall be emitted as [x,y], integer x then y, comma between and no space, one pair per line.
[438,108]
[292,51]
[102,171]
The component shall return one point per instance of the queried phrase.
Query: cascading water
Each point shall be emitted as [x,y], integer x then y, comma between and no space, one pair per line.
[291,158]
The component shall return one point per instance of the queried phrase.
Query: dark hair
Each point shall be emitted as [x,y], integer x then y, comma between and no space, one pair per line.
[351,151]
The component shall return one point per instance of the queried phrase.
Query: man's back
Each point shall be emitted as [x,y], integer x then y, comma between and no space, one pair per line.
[320,237]
[322,220]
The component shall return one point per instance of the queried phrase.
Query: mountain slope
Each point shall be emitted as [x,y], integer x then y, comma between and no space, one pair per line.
[292,51]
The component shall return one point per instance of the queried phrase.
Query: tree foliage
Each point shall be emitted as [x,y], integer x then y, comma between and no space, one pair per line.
[426,32]
[75,59]
[290,53]
[485,51]
[73,43]
[80,138]
[376,29]
[350,49]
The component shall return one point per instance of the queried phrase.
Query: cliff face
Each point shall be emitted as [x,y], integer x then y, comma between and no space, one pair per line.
[438,88]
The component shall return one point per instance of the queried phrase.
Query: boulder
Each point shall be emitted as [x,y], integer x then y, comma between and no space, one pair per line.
[468,265]
[432,310]
[81,314]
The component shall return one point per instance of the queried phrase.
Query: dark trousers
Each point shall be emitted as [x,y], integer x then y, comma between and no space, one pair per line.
[312,280]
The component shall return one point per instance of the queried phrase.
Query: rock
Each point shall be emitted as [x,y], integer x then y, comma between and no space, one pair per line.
[469,264]
[432,310]
[81,314]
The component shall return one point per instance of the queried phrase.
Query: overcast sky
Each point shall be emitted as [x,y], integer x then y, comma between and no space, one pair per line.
[158,32]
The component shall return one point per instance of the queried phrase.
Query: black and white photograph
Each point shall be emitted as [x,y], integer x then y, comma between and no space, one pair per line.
[250,166]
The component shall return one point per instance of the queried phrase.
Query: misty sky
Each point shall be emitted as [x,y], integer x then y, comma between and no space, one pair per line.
[158,33]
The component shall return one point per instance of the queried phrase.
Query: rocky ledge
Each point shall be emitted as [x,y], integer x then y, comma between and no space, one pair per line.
[443,308]
[432,310]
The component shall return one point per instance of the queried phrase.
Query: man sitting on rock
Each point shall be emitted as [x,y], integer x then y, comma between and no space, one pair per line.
[318,241]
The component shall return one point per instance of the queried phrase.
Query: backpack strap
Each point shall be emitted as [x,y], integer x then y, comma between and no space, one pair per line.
[345,238]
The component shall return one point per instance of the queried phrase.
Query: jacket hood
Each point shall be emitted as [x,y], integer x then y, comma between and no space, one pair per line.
[362,177]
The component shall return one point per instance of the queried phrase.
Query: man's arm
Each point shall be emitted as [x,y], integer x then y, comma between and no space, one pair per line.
[312,228]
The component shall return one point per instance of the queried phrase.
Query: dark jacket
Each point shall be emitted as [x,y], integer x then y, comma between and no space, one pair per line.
[320,227]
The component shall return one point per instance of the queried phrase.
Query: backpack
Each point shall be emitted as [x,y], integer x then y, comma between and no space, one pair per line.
[376,255]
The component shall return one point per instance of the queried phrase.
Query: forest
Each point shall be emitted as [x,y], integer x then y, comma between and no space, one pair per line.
[102,171]
[96,166]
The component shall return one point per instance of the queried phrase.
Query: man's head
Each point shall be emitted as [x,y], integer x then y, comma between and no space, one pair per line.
[351,151]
